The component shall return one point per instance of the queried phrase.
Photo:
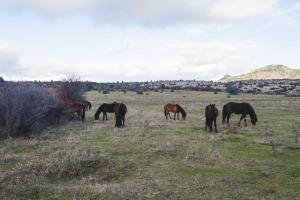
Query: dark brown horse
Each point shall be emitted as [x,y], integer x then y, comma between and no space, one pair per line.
[176,109]
[211,114]
[243,109]
[120,112]
[119,109]
[105,108]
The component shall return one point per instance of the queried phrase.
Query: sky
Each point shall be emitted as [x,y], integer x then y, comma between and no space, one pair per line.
[139,40]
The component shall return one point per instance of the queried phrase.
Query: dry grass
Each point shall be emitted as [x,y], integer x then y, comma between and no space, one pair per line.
[155,158]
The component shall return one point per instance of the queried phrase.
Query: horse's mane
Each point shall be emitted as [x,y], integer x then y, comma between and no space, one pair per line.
[181,110]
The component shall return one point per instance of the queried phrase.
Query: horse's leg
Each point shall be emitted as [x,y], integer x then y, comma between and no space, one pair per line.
[245,120]
[175,116]
[215,123]
[79,114]
[242,117]
[178,116]
[103,116]
[206,123]
[228,117]
[122,120]
[210,125]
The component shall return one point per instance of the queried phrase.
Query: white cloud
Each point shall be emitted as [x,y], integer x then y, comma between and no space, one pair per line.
[239,9]
[151,12]
[178,60]
[9,60]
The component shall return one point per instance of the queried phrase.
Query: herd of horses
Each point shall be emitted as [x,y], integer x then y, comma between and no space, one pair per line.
[120,110]
[211,113]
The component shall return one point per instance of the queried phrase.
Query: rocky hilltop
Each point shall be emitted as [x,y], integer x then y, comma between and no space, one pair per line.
[268,72]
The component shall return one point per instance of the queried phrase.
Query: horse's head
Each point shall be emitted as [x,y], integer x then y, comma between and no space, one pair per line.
[254,120]
[183,113]
[184,116]
[213,111]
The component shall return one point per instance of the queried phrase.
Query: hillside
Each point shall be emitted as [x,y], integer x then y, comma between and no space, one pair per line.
[268,72]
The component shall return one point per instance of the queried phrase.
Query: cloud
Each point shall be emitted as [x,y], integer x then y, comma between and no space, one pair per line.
[240,9]
[178,60]
[9,60]
[154,12]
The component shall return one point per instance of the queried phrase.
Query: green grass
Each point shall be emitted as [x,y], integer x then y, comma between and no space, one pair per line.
[155,158]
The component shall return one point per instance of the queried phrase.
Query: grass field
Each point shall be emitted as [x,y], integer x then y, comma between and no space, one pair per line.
[155,158]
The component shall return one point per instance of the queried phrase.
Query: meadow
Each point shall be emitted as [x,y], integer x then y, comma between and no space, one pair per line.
[155,158]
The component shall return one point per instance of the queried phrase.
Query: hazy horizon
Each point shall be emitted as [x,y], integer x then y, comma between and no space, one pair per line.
[135,40]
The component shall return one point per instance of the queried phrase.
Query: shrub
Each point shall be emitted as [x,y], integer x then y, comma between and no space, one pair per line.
[74,88]
[27,109]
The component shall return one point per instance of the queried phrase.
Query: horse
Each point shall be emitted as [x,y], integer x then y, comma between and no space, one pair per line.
[65,99]
[211,114]
[239,108]
[120,111]
[76,107]
[176,109]
[105,108]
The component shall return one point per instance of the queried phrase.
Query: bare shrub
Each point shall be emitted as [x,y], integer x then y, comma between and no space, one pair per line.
[74,88]
[27,109]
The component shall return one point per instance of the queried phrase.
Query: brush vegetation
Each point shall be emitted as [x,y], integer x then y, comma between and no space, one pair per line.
[155,158]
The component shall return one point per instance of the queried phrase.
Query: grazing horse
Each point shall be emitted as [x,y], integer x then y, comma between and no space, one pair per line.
[211,114]
[105,108]
[120,111]
[76,107]
[176,109]
[65,99]
[239,108]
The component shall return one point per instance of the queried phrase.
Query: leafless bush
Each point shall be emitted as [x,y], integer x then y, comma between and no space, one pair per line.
[27,109]
[74,88]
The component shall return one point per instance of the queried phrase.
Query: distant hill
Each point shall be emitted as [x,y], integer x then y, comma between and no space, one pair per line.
[268,72]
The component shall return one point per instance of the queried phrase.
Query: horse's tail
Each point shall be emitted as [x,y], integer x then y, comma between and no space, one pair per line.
[83,113]
[165,110]
[90,105]
[224,113]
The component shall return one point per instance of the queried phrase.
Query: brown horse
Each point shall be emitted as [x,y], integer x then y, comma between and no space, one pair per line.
[176,109]
[76,107]
[73,106]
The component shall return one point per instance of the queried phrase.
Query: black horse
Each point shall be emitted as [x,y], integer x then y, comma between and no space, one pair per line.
[120,112]
[239,108]
[105,108]
[211,114]
[119,109]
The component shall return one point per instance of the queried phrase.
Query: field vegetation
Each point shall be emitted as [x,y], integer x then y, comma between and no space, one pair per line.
[155,158]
